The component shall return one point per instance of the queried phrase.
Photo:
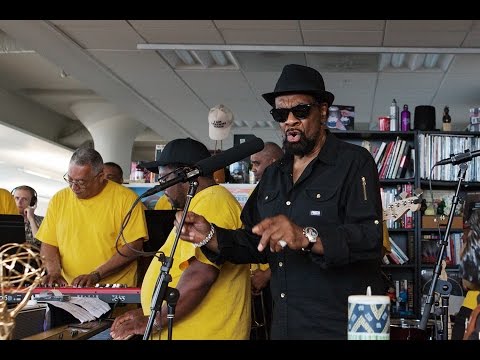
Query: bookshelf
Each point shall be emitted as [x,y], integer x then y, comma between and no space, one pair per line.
[417,240]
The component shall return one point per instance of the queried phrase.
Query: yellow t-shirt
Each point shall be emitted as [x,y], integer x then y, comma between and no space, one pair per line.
[470,300]
[85,230]
[7,203]
[224,313]
[163,203]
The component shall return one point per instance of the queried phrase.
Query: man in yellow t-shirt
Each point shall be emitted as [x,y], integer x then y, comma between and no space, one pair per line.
[113,171]
[81,226]
[163,203]
[214,300]
[7,203]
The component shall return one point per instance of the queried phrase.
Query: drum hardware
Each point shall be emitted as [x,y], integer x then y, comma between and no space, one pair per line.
[408,329]
[259,320]
[443,287]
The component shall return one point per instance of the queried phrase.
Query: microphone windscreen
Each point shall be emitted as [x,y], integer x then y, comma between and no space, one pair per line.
[230,156]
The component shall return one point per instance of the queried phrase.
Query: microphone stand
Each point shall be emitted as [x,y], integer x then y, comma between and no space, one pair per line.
[162,291]
[444,288]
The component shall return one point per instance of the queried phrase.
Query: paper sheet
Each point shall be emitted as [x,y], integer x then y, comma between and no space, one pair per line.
[82,308]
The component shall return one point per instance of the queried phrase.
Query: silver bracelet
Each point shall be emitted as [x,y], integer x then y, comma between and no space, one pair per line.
[207,238]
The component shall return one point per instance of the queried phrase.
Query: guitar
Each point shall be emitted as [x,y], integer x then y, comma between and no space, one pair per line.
[396,209]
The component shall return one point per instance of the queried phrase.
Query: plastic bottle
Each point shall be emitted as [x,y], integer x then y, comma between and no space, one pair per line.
[405,118]
[394,116]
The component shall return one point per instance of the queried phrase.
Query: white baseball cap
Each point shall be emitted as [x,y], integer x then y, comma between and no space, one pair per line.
[220,120]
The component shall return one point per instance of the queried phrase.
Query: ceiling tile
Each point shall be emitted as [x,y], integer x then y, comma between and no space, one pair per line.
[343,38]
[184,35]
[424,38]
[172,24]
[472,40]
[108,38]
[465,64]
[343,25]
[271,37]
[89,24]
[428,25]
[257,24]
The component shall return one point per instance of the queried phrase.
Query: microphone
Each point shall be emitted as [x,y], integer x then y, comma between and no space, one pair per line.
[459,158]
[211,164]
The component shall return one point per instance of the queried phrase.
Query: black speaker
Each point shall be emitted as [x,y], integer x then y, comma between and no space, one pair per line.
[33,202]
[424,117]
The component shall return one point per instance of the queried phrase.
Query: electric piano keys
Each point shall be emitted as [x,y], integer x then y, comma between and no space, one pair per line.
[111,295]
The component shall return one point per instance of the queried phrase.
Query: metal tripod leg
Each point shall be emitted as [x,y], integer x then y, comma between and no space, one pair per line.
[259,321]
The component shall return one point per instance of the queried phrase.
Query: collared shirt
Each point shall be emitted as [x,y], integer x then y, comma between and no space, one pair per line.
[28,231]
[339,195]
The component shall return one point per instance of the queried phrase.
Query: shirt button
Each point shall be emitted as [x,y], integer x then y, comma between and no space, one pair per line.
[266,197]
[376,222]
[319,196]
[288,202]
[282,295]
[280,264]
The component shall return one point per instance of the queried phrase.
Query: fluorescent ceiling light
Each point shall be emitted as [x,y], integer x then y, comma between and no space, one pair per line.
[30,172]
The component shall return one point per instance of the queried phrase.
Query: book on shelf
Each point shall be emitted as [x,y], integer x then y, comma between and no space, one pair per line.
[382,166]
[380,151]
[392,173]
[394,258]
[398,251]
[404,162]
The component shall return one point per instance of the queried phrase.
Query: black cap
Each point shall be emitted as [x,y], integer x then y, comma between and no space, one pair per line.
[183,151]
[179,151]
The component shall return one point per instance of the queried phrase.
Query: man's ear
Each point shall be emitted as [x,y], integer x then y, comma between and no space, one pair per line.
[323,112]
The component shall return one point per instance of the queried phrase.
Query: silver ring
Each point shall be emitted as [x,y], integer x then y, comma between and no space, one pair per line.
[282,243]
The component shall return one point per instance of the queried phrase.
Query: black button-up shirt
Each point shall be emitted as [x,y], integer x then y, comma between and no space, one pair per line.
[339,195]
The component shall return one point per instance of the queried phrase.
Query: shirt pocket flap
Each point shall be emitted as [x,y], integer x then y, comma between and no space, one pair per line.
[321,193]
[268,196]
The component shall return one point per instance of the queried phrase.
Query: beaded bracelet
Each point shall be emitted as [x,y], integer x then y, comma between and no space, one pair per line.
[207,238]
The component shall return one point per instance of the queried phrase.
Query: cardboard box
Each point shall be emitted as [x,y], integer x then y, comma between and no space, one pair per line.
[429,221]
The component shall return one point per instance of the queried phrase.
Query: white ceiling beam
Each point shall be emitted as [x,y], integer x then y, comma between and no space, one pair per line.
[311,49]
[50,42]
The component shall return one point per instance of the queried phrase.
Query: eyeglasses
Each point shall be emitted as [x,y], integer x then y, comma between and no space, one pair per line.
[301,112]
[82,184]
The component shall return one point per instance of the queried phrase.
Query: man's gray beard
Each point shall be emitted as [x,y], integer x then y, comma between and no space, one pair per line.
[304,147]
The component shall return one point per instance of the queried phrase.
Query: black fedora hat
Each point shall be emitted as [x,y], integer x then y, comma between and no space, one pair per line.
[299,79]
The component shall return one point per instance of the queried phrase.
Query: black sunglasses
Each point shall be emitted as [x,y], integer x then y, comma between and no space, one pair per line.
[301,112]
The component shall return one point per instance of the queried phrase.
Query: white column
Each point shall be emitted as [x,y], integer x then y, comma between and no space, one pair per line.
[113,132]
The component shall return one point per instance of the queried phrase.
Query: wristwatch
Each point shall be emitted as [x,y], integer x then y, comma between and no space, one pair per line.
[311,234]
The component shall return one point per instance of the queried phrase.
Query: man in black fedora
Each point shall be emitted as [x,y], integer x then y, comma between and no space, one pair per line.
[315,217]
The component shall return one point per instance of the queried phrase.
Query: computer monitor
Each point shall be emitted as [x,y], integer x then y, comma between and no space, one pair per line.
[12,229]
[159,225]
